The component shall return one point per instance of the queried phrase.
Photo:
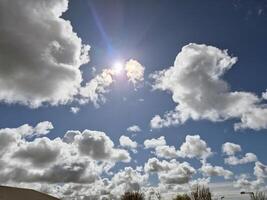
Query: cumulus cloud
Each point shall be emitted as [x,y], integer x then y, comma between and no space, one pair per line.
[244,182]
[166,151]
[181,174]
[194,146]
[134,128]
[80,157]
[230,148]
[134,71]
[99,146]
[40,56]
[260,170]
[170,172]
[209,170]
[248,158]
[196,84]
[76,165]
[94,91]
[127,142]
[41,129]
[39,152]
[154,142]
[127,180]
[155,165]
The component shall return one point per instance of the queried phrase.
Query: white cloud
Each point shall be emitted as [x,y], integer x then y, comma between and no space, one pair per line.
[200,181]
[230,148]
[233,160]
[260,170]
[40,152]
[155,165]
[41,58]
[80,157]
[41,55]
[170,172]
[264,95]
[127,180]
[41,129]
[134,128]
[194,146]
[95,89]
[74,110]
[181,174]
[153,143]
[209,170]
[166,151]
[197,87]
[127,142]
[99,146]
[134,71]
[245,183]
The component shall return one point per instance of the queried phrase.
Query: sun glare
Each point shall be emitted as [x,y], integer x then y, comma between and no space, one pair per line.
[118,67]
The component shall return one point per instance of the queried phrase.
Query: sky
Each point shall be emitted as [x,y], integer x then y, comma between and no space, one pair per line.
[102,97]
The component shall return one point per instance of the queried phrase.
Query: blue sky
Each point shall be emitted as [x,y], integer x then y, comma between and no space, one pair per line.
[45,74]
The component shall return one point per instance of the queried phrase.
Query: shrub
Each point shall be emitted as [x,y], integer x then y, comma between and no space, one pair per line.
[132,196]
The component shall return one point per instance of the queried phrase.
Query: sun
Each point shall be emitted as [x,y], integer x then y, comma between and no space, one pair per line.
[117,67]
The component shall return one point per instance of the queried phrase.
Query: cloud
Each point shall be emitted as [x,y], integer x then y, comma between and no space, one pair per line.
[134,71]
[155,165]
[196,84]
[127,180]
[264,95]
[41,58]
[127,142]
[245,183]
[170,172]
[40,152]
[194,146]
[260,170]
[79,157]
[99,146]
[82,164]
[153,143]
[134,128]
[233,160]
[230,148]
[41,129]
[40,54]
[166,151]
[96,88]
[181,174]
[209,170]
[74,110]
